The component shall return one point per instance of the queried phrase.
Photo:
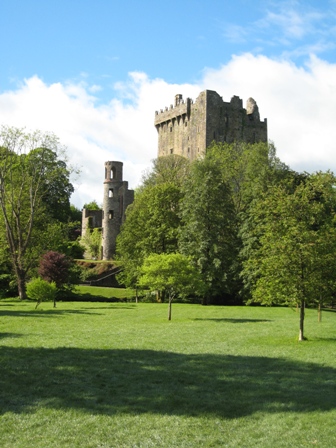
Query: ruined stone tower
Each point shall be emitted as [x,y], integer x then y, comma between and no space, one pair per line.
[117,197]
[187,128]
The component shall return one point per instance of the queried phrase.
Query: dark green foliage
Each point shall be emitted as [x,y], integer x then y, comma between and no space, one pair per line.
[209,227]
[292,260]
[35,190]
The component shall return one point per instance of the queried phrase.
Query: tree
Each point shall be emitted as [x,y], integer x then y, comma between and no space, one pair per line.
[171,169]
[208,234]
[93,241]
[56,267]
[32,181]
[293,257]
[172,273]
[39,290]
[93,205]
[151,226]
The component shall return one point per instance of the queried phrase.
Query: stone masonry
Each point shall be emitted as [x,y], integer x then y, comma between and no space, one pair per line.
[187,128]
[117,197]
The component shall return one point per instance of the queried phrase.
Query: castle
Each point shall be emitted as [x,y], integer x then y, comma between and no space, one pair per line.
[186,128]
[117,197]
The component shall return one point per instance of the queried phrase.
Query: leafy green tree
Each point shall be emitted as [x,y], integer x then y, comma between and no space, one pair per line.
[172,273]
[172,169]
[93,205]
[39,290]
[293,258]
[32,180]
[151,226]
[249,170]
[208,234]
[92,240]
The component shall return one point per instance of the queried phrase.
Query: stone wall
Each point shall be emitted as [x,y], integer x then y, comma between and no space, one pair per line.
[117,197]
[187,128]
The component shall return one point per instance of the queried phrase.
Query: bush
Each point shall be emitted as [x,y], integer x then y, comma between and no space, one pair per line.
[7,285]
[39,289]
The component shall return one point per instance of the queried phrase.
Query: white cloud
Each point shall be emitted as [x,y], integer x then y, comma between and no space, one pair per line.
[298,102]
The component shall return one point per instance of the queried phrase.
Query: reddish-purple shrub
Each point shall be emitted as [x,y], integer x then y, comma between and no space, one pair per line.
[55,267]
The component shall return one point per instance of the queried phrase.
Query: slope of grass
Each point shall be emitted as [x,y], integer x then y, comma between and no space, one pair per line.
[121,375]
[100,292]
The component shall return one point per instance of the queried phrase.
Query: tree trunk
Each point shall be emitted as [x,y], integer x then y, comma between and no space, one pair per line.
[319,314]
[21,279]
[302,313]
[170,308]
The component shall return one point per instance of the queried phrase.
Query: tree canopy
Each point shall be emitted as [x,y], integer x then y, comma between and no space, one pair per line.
[34,189]
[293,258]
[172,273]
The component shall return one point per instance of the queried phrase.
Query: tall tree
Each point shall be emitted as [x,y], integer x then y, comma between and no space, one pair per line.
[208,234]
[171,169]
[32,176]
[293,258]
[151,226]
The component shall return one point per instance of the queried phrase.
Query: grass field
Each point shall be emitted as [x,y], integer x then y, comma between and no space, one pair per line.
[121,375]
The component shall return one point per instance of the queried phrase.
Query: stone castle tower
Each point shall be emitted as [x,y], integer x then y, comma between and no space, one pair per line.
[187,128]
[117,197]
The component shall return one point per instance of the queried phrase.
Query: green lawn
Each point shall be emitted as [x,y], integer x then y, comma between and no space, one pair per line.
[121,375]
[94,292]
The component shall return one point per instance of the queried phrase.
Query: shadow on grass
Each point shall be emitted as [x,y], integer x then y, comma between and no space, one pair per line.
[40,312]
[142,381]
[10,335]
[234,321]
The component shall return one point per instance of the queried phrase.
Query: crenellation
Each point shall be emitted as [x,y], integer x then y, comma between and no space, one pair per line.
[189,127]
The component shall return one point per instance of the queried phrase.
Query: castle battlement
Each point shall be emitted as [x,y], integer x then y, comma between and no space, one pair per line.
[189,127]
[180,109]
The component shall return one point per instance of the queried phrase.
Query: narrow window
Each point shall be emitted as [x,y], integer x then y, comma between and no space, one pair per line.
[171,128]
[110,214]
[172,151]
[111,193]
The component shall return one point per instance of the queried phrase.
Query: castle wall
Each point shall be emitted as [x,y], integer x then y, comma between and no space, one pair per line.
[91,219]
[117,197]
[187,128]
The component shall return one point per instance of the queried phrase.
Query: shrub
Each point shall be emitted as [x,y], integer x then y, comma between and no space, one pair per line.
[39,289]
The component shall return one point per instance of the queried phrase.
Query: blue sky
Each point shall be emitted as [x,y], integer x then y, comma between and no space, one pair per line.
[94,72]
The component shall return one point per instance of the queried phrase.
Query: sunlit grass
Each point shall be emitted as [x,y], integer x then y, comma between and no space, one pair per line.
[83,291]
[121,375]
